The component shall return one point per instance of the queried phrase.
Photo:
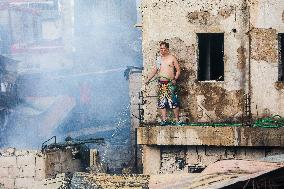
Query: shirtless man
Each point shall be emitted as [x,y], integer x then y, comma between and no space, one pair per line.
[168,71]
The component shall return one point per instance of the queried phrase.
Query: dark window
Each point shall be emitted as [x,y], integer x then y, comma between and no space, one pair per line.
[211,53]
[281,57]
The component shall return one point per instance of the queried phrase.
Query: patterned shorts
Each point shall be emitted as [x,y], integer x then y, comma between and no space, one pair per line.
[167,95]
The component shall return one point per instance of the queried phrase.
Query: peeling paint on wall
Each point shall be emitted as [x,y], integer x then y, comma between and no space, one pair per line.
[264,44]
[226,11]
[201,17]
[226,105]
[279,85]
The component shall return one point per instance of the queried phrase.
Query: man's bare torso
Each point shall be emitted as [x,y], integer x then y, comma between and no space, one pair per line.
[166,71]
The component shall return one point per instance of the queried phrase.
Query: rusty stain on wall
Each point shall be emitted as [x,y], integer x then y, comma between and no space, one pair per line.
[264,44]
[201,17]
[214,96]
[279,85]
[241,58]
[226,11]
[225,104]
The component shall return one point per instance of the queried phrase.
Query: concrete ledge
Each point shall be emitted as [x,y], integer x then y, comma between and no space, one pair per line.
[211,136]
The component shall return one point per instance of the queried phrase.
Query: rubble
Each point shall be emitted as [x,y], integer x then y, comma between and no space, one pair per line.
[85,180]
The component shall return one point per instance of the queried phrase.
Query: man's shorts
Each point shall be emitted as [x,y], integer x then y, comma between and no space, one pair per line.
[167,95]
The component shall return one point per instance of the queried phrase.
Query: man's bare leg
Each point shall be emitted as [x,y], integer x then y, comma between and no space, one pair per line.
[176,114]
[164,114]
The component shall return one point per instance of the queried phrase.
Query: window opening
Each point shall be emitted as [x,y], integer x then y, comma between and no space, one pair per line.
[211,53]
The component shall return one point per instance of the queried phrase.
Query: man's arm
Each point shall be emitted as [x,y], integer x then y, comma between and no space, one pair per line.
[152,74]
[177,67]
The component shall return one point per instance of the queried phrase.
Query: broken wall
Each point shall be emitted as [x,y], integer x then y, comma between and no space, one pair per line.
[21,168]
[178,22]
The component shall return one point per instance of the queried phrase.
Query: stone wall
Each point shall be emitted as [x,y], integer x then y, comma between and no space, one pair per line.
[21,168]
[211,136]
[250,54]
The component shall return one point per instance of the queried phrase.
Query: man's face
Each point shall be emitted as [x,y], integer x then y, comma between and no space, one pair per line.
[163,50]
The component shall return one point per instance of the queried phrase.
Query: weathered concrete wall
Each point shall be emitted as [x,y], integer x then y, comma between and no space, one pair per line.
[151,159]
[211,136]
[134,89]
[21,169]
[135,85]
[173,148]
[266,20]
[186,136]
[179,21]
[171,157]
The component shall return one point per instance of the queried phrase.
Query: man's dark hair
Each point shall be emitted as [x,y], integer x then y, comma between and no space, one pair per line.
[167,45]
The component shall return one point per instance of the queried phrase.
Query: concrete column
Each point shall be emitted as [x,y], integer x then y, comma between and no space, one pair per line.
[151,160]
[134,89]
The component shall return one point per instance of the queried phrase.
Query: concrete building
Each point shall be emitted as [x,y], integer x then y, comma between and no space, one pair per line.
[231,56]
[38,33]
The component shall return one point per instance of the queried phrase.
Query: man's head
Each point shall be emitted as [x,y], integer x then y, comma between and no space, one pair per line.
[164,48]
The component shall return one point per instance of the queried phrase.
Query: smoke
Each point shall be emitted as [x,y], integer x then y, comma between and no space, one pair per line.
[79,92]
